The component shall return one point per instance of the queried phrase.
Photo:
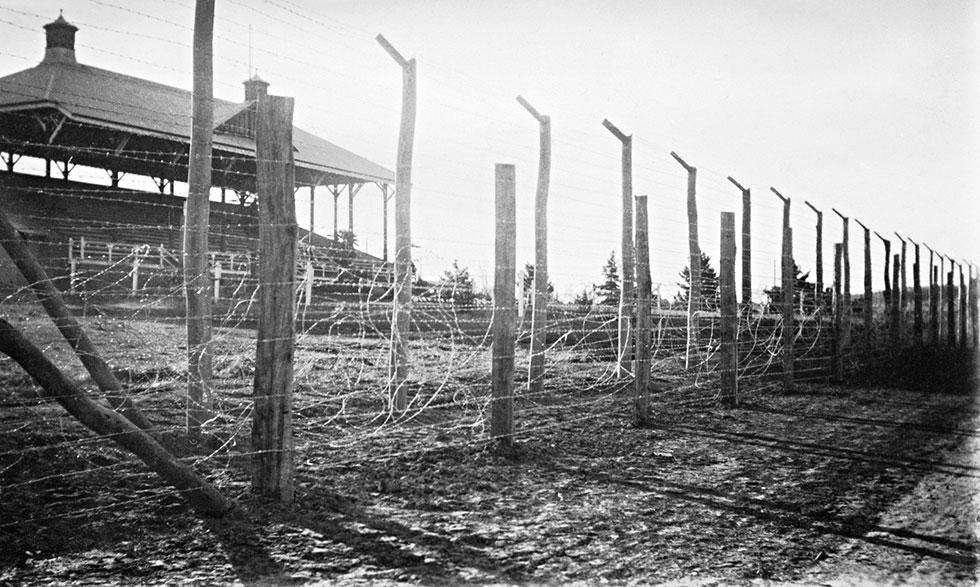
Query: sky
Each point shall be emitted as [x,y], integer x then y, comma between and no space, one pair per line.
[869,107]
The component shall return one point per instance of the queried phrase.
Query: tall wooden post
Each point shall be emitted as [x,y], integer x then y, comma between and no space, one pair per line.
[974,309]
[950,318]
[836,354]
[746,243]
[894,312]
[818,294]
[943,292]
[868,292]
[934,300]
[539,310]
[309,242]
[847,281]
[384,221]
[197,280]
[888,279]
[963,318]
[644,290]
[505,273]
[626,294]
[916,298]
[788,282]
[402,310]
[335,192]
[729,312]
[903,296]
[694,302]
[272,436]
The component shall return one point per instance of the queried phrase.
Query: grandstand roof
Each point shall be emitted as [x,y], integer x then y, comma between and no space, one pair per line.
[103,117]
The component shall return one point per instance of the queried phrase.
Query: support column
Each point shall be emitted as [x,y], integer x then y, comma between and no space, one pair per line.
[626,293]
[746,243]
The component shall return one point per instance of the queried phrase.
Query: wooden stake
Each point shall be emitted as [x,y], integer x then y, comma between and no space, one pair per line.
[894,311]
[694,302]
[818,293]
[197,280]
[903,296]
[868,292]
[848,309]
[539,311]
[402,311]
[916,298]
[951,305]
[626,293]
[109,424]
[729,312]
[788,285]
[641,383]
[836,354]
[746,243]
[963,318]
[505,273]
[272,436]
[934,303]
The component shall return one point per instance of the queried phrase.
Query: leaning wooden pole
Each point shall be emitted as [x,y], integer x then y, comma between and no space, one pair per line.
[729,312]
[402,310]
[694,303]
[895,321]
[788,283]
[629,277]
[644,291]
[272,433]
[504,310]
[197,279]
[109,424]
[916,297]
[746,243]
[975,308]
[539,309]
[963,318]
[868,292]
[54,304]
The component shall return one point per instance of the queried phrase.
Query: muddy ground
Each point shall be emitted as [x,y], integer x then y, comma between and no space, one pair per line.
[829,485]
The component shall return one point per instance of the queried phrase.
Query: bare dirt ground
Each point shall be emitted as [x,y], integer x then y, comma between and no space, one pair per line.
[830,485]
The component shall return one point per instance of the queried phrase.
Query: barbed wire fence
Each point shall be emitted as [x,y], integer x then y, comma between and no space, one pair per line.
[118,265]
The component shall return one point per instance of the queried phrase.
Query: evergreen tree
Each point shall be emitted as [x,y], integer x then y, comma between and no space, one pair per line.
[608,292]
[709,285]
[803,291]
[456,286]
[584,298]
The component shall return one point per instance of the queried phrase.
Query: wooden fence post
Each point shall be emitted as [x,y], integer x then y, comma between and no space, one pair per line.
[974,315]
[729,312]
[539,310]
[934,301]
[903,296]
[847,281]
[819,297]
[196,222]
[963,318]
[836,356]
[629,277]
[950,306]
[505,255]
[402,309]
[868,292]
[788,282]
[746,243]
[894,310]
[916,298]
[694,293]
[272,434]
[641,381]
